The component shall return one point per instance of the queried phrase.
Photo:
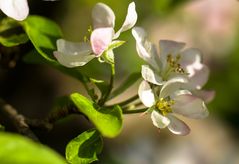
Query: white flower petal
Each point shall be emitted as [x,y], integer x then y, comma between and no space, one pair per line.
[72,54]
[73,48]
[130,20]
[146,94]
[177,126]
[159,120]
[73,60]
[190,56]
[172,85]
[103,16]
[145,49]
[199,78]
[168,47]
[149,75]
[100,39]
[139,34]
[205,95]
[16,9]
[180,92]
[190,106]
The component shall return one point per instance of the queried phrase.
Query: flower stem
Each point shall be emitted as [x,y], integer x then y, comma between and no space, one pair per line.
[106,95]
[126,102]
[135,111]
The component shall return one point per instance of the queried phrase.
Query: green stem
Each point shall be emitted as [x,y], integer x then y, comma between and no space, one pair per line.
[126,102]
[129,106]
[92,96]
[135,111]
[106,95]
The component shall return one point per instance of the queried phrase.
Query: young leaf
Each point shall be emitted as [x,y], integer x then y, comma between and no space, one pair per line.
[126,84]
[115,44]
[20,150]
[43,34]
[107,121]
[84,148]
[11,33]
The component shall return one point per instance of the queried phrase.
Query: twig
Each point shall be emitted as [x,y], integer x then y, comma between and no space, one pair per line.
[52,118]
[135,111]
[126,102]
[18,120]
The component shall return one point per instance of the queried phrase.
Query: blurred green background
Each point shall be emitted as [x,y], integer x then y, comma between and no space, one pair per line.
[211,25]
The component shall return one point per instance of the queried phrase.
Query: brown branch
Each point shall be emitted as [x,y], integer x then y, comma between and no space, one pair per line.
[17,120]
[52,118]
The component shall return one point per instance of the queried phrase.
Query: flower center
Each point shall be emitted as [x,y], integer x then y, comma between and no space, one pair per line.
[174,64]
[164,105]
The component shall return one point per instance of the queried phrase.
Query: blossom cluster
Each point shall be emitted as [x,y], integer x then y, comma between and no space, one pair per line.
[172,79]
[172,82]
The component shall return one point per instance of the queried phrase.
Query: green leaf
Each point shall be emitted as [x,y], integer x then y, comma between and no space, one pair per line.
[125,85]
[16,149]
[115,44]
[43,34]
[107,121]
[84,148]
[11,33]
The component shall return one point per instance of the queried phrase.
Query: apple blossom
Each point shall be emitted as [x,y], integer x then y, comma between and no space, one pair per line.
[16,9]
[102,38]
[172,99]
[173,61]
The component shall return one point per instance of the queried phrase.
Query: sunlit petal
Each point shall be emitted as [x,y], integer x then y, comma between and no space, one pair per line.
[149,75]
[130,20]
[146,94]
[16,9]
[103,16]
[159,120]
[145,49]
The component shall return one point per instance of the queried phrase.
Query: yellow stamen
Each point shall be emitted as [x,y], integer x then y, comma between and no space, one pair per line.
[165,105]
[174,63]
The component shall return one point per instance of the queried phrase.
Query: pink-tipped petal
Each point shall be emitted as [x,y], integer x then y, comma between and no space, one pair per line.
[16,9]
[177,126]
[100,39]
[103,16]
